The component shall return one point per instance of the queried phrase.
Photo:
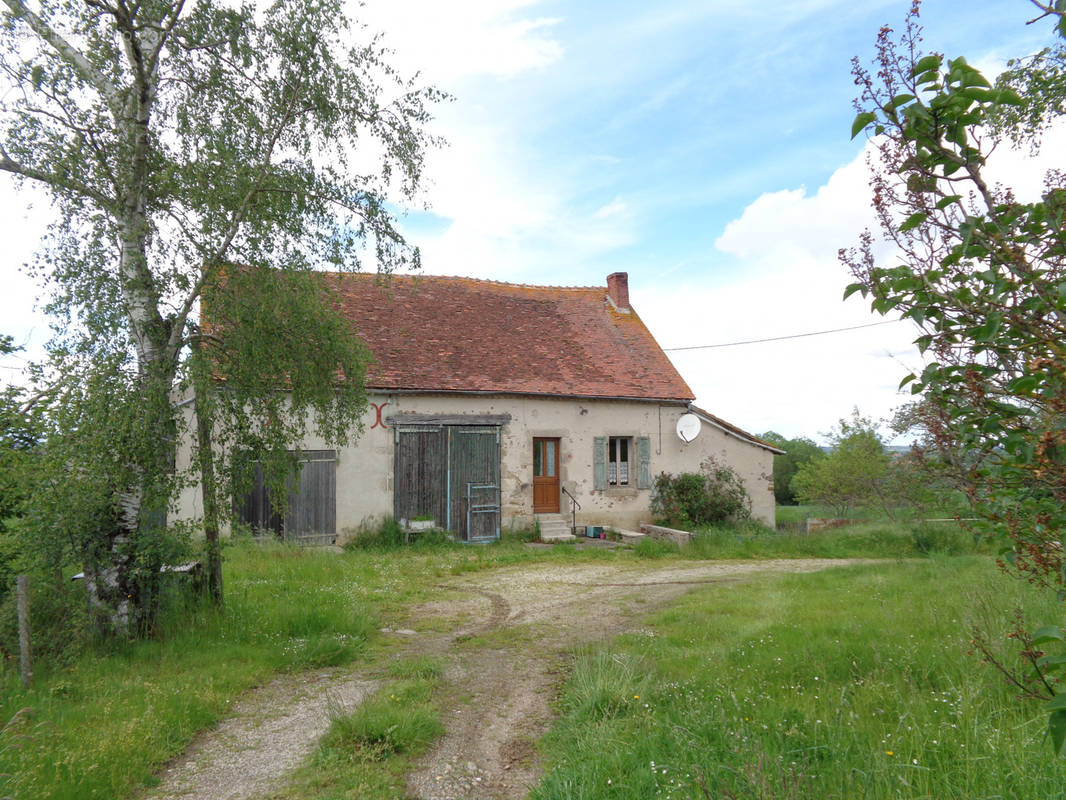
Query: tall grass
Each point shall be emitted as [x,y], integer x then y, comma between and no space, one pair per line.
[99,726]
[851,683]
[859,540]
[104,717]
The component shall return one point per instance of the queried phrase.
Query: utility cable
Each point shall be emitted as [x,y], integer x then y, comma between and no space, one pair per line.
[781,338]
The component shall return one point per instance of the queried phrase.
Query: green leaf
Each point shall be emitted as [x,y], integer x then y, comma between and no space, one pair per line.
[1057,729]
[1049,633]
[1008,97]
[1057,703]
[944,202]
[912,222]
[861,121]
[908,379]
[897,101]
[854,287]
[926,64]
[1023,385]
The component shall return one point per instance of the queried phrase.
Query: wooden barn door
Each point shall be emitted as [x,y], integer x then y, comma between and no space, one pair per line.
[450,474]
[419,486]
[311,513]
[474,481]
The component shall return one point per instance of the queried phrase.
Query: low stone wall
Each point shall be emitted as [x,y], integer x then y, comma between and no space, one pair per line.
[667,534]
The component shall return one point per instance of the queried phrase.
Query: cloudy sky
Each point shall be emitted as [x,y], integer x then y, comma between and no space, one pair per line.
[702,146]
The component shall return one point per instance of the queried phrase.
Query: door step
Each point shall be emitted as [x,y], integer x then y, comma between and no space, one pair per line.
[554,528]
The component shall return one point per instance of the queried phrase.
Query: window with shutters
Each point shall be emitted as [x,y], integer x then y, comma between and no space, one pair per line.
[621,462]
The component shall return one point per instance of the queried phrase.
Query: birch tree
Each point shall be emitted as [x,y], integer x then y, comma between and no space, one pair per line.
[174,138]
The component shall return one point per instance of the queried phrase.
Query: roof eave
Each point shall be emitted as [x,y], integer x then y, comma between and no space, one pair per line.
[732,430]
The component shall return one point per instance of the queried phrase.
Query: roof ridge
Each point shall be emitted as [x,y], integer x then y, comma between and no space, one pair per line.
[423,276]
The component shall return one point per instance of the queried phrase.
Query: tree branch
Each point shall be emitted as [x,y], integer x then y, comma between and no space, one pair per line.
[70,54]
[7,164]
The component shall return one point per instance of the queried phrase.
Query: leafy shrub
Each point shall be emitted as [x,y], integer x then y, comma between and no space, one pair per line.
[691,499]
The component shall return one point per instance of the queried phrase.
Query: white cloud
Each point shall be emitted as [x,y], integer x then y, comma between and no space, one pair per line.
[450,41]
[24,215]
[613,208]
[780,276]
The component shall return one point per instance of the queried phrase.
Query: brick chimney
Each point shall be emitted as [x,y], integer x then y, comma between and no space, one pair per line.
[618,290]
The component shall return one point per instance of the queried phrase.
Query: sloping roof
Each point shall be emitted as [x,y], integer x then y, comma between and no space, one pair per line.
[732,430]
[430,333]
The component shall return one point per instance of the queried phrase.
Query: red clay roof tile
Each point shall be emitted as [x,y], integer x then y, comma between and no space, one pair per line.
[433,333]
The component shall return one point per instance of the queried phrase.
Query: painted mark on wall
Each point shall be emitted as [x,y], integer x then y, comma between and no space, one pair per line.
[379,421]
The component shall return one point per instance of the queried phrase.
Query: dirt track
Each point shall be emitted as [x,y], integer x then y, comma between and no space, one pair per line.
[504,635]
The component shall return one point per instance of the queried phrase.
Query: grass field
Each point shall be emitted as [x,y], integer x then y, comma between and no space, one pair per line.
[731,682]
[852,683]
[98,724]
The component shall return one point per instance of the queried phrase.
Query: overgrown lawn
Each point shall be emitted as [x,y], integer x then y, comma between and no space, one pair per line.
[850,683]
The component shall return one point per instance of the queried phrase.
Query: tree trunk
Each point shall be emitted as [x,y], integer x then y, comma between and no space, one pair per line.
[106,587]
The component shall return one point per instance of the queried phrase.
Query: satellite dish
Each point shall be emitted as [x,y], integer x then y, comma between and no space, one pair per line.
[688,427]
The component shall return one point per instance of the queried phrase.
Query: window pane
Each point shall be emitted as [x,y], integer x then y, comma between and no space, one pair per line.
[537,456]
[549,459]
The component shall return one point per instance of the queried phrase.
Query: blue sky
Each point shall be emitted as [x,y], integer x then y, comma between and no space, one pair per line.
[703,147]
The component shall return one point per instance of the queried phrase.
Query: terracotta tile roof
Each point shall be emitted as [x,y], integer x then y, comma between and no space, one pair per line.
[433,333]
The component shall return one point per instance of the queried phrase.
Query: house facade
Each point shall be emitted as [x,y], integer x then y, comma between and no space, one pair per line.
[493,403]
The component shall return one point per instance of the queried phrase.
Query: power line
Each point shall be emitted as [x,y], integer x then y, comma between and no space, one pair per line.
[780,338]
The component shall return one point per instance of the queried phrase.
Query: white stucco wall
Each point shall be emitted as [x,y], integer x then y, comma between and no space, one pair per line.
[364,471]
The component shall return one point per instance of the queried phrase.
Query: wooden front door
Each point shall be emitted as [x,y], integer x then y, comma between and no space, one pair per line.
[545,476]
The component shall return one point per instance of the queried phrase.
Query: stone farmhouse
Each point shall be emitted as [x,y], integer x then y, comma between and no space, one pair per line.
[495,404]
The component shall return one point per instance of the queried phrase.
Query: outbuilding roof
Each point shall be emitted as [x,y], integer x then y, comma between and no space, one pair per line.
[447,334]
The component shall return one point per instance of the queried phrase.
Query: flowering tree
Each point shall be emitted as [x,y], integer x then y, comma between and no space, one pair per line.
[983,275]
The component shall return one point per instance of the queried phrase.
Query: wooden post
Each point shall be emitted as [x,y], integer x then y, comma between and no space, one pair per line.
[25,658]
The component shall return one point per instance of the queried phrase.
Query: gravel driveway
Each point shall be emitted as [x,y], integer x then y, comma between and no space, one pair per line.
[504,635]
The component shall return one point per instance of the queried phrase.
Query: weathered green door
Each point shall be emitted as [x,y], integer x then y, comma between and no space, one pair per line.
[420,474]
[474,482]
[450,474]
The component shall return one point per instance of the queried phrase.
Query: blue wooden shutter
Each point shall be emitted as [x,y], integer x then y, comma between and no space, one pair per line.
[643,462]
[599,462]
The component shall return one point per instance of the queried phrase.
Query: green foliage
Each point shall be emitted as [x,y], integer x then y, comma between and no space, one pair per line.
[982,274]
[854,472]
[713,495]
[656,548]
[602,686]
[844,683]
[798,452]
[175,141]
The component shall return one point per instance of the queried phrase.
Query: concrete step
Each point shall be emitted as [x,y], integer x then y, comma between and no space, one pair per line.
[554,528]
